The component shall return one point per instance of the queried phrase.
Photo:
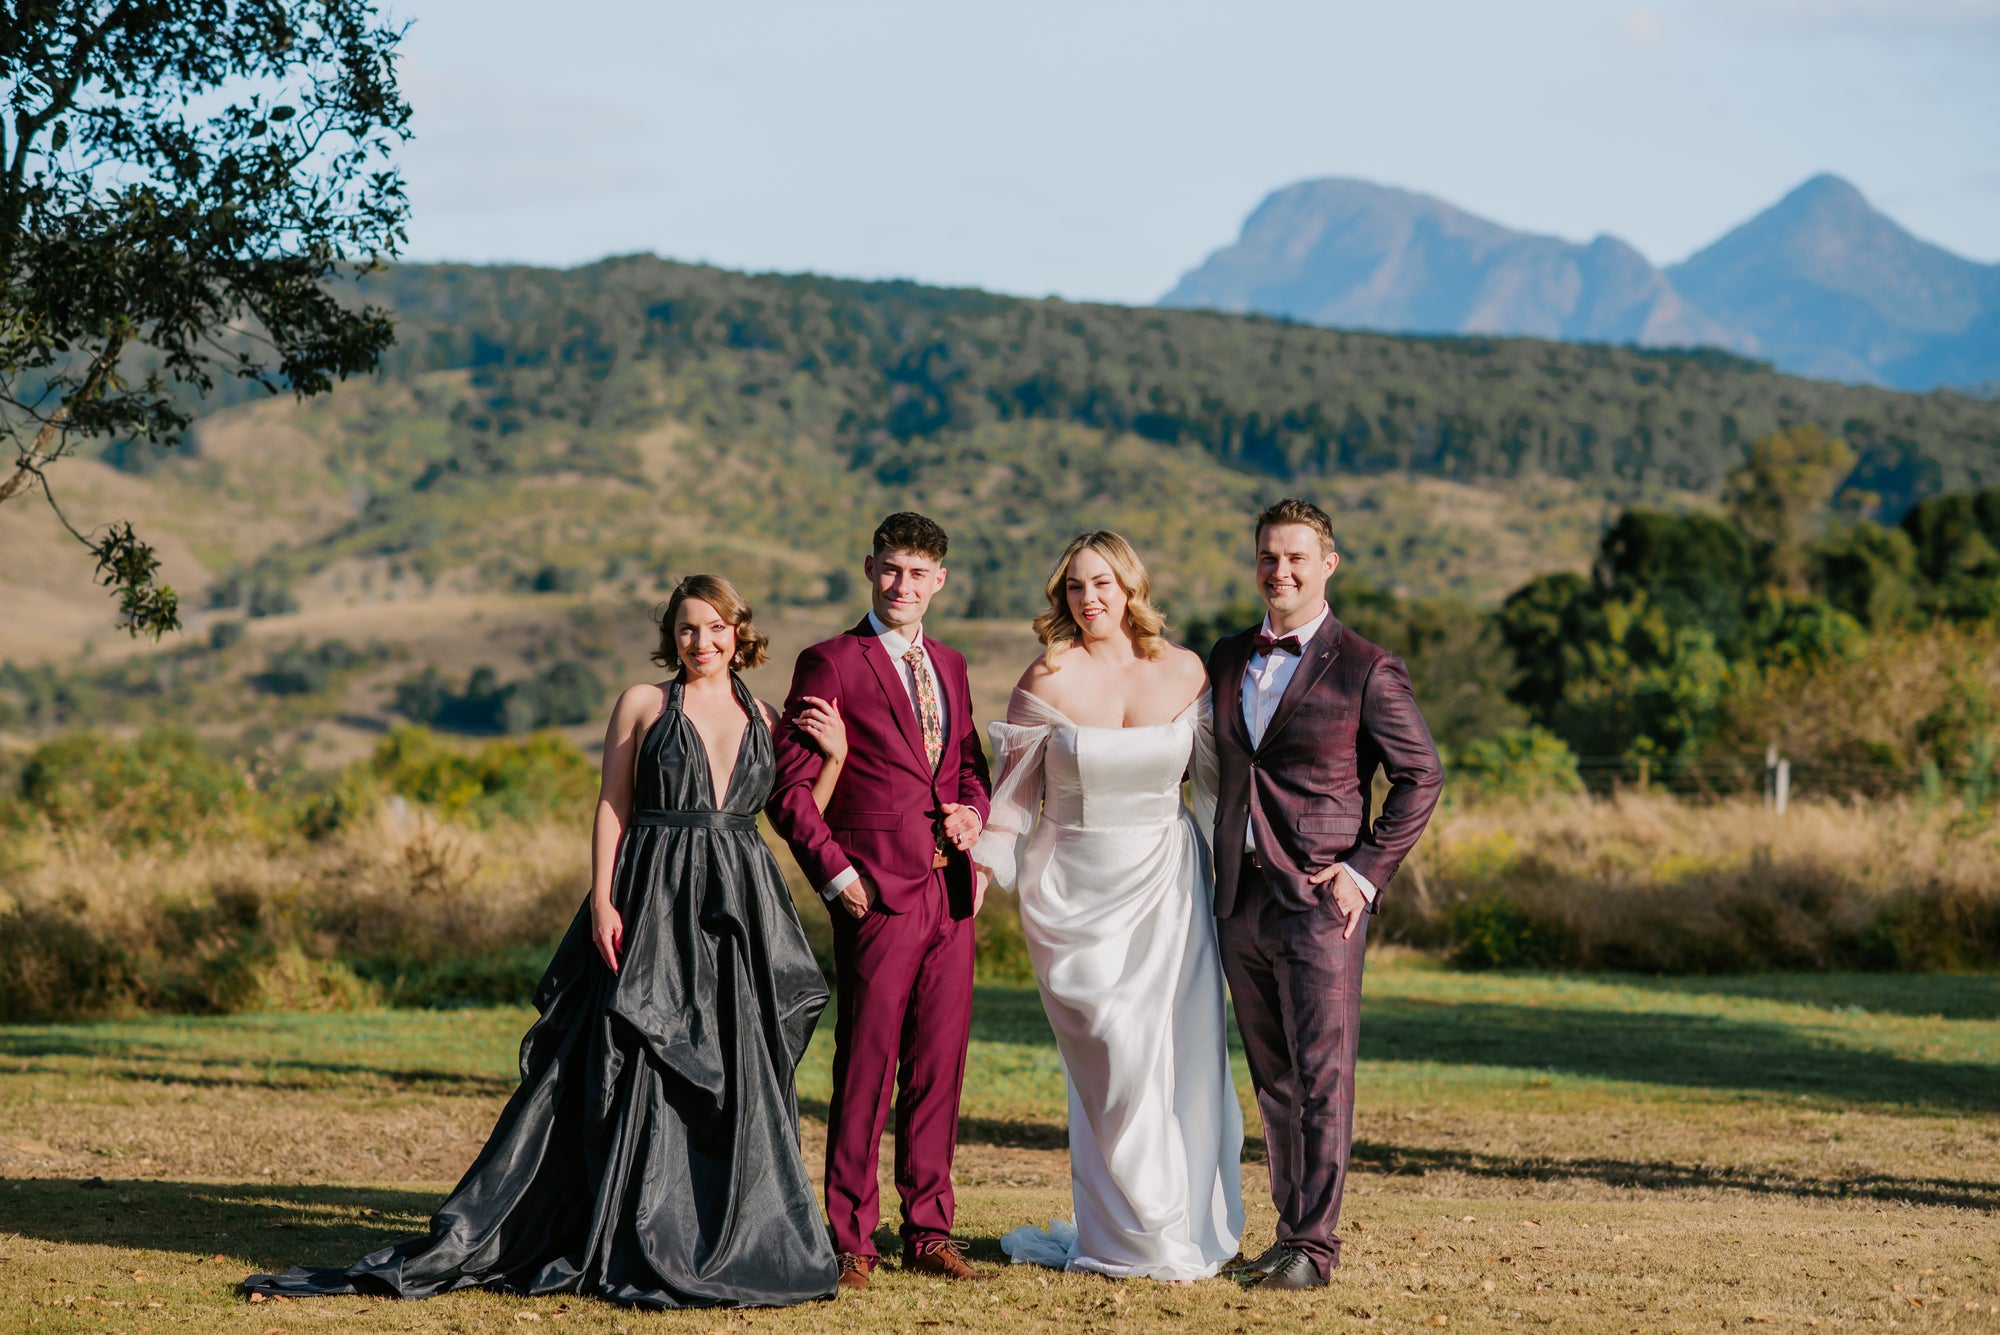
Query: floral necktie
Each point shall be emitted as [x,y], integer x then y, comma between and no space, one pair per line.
[927,703]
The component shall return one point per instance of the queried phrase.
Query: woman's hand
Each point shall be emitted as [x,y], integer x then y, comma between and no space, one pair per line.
[821,721]
[607,931]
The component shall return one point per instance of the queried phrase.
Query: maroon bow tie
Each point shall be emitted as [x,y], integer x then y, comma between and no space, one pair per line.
[1284,644]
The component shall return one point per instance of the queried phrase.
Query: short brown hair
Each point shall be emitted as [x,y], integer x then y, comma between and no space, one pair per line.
[1292,510]
[720,594]
[908,531]
[1056,627]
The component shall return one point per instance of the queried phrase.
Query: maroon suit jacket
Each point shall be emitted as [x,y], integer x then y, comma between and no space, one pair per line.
[1307,790]
[881,818]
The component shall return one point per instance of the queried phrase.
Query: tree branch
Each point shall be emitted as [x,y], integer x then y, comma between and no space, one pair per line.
[32,458]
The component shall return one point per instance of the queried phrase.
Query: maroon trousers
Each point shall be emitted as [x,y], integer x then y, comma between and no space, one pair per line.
[903,1017]
[1297,989]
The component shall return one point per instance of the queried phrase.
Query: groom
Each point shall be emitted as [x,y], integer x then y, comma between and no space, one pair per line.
[888,856]
[1305,710]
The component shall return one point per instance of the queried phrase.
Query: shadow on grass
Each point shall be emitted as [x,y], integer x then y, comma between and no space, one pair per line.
[254,1226]
[261,1225]
[1959,1193]
[1949,996]
[1693,1051]
[157,1063]
[1696,1051]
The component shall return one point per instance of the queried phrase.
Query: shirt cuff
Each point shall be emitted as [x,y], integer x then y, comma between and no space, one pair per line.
[848,876]
[1362,883]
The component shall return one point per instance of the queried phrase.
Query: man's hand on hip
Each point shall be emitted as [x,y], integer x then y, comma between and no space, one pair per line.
[1347,896]
[859,897]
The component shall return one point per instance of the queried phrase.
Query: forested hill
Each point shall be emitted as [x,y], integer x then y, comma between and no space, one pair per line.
[870,368]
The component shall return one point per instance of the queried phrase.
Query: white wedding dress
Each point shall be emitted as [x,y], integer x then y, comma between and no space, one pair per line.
[1115,889]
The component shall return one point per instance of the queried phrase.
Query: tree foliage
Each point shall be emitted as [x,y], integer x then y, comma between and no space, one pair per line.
[887,372]
[178,181]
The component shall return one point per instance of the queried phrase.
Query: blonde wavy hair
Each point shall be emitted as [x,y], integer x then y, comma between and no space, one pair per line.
[1056,628]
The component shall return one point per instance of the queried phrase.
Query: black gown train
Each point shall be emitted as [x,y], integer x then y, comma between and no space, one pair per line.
[651,1154]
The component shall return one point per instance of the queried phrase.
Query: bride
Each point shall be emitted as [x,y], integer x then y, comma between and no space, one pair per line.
[1114,883]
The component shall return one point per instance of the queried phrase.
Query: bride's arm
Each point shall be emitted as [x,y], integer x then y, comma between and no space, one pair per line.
[1203,768]
[1017,786]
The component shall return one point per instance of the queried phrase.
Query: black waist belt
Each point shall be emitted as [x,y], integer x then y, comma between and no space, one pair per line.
[697,820]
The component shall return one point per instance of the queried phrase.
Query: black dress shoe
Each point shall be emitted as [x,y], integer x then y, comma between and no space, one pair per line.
[1250,1270]
[1294,1270]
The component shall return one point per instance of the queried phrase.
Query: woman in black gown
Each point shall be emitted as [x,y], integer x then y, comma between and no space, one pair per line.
[651,1154]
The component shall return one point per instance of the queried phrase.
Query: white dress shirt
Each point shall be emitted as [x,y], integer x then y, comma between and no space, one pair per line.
[1264,683]
[896,644]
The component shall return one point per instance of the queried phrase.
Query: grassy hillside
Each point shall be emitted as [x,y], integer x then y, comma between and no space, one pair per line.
[546,445]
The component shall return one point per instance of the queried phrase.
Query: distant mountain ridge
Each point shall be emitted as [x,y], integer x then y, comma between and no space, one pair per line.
[1821,284]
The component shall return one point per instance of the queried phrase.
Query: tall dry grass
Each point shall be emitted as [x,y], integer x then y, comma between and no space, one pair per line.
[1656,884]
[398,907]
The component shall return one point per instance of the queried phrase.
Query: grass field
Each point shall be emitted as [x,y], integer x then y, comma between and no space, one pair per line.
[1616,1154]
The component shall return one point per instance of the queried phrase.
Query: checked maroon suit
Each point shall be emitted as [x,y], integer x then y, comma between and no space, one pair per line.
[903,974]
[1303,791]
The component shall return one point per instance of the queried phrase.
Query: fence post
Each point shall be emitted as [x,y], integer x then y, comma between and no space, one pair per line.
[1783,786]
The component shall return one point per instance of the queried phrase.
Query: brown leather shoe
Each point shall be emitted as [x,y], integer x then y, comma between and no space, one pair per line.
[944,1258]
[854,1270]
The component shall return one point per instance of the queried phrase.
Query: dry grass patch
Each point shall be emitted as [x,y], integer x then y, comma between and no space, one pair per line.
[1652,883]
[1608,1154]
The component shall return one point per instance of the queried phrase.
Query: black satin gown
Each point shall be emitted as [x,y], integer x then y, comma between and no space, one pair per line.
[651,1154]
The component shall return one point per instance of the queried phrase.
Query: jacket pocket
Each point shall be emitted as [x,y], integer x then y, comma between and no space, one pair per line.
[868,820]
[1340,827]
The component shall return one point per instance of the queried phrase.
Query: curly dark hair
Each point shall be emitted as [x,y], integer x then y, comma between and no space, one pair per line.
[908,531]
[720,594]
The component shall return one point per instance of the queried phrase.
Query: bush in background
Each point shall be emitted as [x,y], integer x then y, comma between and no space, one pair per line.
[559,696]
[1651,884]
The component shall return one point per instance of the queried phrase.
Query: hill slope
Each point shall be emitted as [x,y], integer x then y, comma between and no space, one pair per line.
[609,427]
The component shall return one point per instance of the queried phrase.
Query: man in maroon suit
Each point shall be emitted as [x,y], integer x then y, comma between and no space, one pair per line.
[1305,710]
[889,858]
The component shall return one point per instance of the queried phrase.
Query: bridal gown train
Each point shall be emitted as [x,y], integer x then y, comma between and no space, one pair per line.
[1115,887]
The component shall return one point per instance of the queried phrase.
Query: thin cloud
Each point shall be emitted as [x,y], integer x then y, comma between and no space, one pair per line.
[1643,29]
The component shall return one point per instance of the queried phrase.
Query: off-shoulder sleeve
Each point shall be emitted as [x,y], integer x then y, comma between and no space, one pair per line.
[1203,769]
[1018,745]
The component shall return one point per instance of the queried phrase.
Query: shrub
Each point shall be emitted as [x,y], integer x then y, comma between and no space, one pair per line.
[538,776]
[298,670]
[164,787]
[1518,762]
[564,694]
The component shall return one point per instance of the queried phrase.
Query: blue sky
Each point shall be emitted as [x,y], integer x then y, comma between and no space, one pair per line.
[1096,149]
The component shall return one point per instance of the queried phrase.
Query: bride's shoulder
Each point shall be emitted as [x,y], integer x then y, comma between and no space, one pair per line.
[1183,664]
[1038,692]
[1040,674]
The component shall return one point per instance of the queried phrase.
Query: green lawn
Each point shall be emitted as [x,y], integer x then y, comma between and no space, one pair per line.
[1616,1154]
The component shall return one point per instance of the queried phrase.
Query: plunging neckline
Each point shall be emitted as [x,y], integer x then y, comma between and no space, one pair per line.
[674,705]
[1191,706]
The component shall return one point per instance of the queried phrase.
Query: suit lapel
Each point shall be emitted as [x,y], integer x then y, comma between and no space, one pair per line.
[891,679]
[1320,652]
